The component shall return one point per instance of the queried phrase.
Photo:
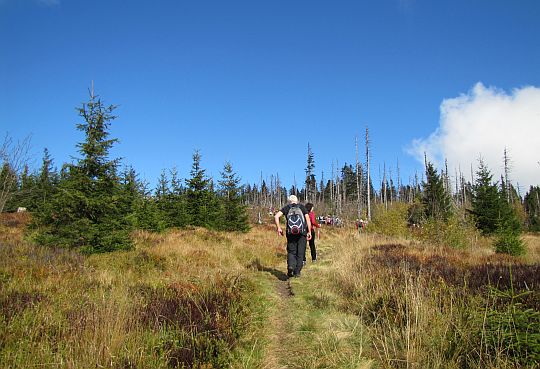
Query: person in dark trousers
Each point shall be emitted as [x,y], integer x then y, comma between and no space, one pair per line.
[296,238]
[314,224]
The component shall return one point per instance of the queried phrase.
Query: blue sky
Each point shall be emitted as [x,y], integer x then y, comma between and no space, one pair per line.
[254,81]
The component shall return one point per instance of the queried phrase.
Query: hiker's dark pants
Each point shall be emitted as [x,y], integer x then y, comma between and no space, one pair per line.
[296,250]
[312,248]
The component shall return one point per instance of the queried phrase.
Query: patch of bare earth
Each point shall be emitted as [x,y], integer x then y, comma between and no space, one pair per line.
[277,326]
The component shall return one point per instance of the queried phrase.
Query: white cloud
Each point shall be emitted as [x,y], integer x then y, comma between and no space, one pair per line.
[483,122]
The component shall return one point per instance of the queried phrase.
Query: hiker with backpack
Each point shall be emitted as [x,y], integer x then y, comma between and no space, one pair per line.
[314,224]
[298,232]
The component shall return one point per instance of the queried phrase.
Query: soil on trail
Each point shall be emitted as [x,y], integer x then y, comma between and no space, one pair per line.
[277,326]
[304,329]
[284,289]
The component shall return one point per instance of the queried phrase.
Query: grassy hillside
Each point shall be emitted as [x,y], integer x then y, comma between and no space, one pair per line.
[197,298]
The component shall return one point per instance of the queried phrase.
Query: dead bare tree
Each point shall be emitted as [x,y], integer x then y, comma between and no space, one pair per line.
[279,195]
[398,181]
[358,194]
[332,187]
[506,158]
[384,194]
[368,177]
[323,188]
[14,157]
[338,190]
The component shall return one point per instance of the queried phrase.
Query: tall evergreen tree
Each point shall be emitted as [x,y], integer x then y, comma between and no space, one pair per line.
[48,178]
[435,199]
[87,211]
[311,183]
[532,208]
[142,208]
[493,213]
[200,201]
[486,204]
[348,174]
[176,207]
[234,213]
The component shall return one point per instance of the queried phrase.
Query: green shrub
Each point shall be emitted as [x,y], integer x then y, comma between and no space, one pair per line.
[509,243]
[457,231]
[391,221]
[415,213]
[512,329]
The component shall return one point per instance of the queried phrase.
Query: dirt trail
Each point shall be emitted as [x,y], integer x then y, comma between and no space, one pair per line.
[283,338]
[278,322]
[304,328]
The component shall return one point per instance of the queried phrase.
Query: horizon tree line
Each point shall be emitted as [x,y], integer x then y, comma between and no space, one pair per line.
[94,191]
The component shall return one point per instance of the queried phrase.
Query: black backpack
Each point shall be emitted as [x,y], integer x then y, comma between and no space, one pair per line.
[296,221]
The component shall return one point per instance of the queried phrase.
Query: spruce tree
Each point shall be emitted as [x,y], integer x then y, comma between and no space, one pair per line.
[144,212]
[311,183]
[201,206]
[486,201]
[234,216]
[494,215]
[176,209]
[532,208]
[87,212]
[47,180]
[509,227]
[435,200]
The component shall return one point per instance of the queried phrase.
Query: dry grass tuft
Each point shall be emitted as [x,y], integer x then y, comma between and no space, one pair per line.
[424,305]
[179,299]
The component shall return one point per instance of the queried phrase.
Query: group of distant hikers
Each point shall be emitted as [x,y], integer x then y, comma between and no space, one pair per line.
[300,228]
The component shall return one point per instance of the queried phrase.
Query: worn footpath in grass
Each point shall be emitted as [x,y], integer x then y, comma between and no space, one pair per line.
[307,328]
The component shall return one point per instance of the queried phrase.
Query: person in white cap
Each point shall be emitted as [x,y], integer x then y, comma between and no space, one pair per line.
[298,232]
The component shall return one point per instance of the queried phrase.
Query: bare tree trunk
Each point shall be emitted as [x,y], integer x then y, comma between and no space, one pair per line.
[391,185]
[383,194]
[338,188]
[410,195]
[509,198]
[457,195]
[398,182]
[368,177]
[358,196]
[323,187]
[279,195]
[332,189]
[446,177]
[415,184]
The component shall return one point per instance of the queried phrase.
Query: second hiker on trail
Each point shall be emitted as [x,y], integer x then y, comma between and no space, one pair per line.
[298,232]
[311,209]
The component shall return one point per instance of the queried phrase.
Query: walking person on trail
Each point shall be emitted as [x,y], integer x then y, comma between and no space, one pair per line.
[314,224]
[298,232]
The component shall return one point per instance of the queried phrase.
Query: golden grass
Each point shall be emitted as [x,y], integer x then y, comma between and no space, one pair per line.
[411,297]
[532,243]
[67,310]
[371,301]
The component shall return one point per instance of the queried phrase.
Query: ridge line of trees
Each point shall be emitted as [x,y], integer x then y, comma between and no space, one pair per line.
[92,205]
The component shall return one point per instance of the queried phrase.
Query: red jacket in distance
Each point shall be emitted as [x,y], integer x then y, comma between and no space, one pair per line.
[313,220]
